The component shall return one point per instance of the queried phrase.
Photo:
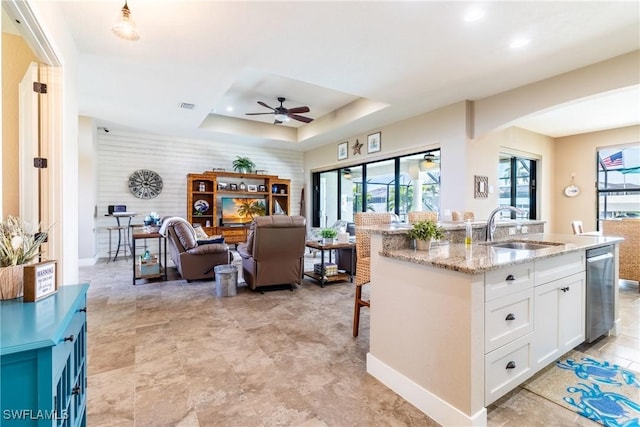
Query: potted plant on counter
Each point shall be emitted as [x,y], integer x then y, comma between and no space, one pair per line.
[424,232]
[328,234]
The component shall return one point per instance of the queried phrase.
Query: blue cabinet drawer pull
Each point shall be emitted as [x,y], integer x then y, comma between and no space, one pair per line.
[69,338]
[83,310]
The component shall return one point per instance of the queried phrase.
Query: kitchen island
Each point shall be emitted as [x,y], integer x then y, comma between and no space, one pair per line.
[454,329]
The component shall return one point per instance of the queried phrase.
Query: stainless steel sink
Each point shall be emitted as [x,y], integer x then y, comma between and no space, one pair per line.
[523,245]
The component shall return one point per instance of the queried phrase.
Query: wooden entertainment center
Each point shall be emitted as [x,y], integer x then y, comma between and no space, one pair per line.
[206,191]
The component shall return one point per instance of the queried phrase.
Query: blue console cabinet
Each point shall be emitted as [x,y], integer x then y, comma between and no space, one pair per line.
[43,358]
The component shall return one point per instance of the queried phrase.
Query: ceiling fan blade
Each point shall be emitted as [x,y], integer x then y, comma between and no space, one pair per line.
[265,105]
[301,118]
[298,110]
[257,114]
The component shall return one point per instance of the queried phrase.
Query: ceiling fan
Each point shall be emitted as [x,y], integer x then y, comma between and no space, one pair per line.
[284,114]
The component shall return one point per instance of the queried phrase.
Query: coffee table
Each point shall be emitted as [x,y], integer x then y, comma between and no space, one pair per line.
[340,277]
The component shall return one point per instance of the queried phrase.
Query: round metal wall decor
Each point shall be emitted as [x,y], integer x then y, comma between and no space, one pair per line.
[145,184]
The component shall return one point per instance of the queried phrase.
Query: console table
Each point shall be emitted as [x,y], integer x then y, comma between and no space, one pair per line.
[43,358]
[162,252]
[340,277]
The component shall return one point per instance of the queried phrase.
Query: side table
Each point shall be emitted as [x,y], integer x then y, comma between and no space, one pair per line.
[340,277]
[162,254]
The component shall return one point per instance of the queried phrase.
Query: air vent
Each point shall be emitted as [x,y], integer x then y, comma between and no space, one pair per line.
[187,105]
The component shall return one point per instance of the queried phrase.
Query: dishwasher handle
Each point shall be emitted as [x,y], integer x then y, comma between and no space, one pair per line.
[600,257]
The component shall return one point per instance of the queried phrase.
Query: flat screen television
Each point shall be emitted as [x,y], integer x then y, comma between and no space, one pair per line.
[237,210]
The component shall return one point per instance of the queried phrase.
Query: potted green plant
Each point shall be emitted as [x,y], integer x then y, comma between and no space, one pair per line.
[424,232]
[328,234]
[243,165]
[19,245]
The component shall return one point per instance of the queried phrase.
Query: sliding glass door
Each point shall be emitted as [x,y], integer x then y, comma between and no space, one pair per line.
[399,185]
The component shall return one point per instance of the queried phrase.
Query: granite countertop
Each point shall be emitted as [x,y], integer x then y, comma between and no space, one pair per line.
[402,227]
[480,257]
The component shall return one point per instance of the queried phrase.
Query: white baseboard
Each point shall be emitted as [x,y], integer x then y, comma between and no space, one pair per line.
[85,262]
[436,408]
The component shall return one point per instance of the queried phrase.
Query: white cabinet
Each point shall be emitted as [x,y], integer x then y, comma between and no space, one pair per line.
[559,318]
[533,314]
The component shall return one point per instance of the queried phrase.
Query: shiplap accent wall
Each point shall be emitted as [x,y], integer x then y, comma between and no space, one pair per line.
[119,154]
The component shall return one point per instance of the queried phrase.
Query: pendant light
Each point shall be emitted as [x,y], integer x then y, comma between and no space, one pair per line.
[125,28]
[428,162]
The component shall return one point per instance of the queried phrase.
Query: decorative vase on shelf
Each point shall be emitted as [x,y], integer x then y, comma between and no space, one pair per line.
[11,281]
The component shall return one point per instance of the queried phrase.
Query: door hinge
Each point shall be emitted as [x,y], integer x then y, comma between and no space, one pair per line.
[39,87]
[39,162]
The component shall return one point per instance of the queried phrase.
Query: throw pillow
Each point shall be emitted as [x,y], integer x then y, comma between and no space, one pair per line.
[200,234]
[207,241]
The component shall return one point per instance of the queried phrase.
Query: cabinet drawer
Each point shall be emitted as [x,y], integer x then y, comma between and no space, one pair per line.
[558,267]
[508,318]
[509,280]
[233,233]
[507,367]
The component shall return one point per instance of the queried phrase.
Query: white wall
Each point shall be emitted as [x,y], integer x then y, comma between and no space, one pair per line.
[495,112]
[577,154]
[485,154]
[120,153]
[445,128]
[87,188]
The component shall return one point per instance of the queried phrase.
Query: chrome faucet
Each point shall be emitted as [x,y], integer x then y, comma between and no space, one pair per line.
[491,222]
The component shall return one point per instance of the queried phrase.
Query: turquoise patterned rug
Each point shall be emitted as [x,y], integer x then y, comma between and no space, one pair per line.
[595,389]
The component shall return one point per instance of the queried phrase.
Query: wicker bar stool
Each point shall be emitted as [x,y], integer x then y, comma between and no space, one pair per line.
[363,254]
[415,216]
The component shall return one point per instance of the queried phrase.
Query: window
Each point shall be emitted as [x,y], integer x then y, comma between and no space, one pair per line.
[618,182]
[399,185]
[517,185]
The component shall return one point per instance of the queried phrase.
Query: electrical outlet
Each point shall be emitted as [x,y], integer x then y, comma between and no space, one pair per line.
[524,229]
[512,231]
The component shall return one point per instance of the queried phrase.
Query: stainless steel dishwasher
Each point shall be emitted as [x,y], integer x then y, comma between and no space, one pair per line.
[600,292]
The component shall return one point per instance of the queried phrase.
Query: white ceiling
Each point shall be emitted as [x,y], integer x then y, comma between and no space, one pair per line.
[358,65]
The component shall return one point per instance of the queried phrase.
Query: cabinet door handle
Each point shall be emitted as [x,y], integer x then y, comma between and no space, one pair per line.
[83,310]
[511,365]
[75,390]
[510,278]
[565,289]
[69,338]
[510,316]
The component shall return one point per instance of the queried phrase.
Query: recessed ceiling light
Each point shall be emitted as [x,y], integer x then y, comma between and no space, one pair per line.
[473,15]
[229,108]
[518,43]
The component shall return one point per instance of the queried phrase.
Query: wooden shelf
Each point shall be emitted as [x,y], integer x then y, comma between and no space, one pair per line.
[210,181]
[340,277]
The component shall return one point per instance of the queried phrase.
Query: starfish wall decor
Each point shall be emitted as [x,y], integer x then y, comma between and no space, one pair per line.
[356,147]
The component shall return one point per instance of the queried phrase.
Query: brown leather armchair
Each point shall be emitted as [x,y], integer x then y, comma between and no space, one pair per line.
[273,254]
[194,261]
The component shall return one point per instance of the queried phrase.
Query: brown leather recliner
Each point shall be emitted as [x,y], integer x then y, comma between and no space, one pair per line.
[273,254]
[193,261]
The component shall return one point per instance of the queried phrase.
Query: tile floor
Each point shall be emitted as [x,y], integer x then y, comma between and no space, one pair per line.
[170,353]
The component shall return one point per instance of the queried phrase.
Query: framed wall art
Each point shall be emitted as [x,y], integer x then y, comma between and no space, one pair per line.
[373,143]
[343,150]
[480,187]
